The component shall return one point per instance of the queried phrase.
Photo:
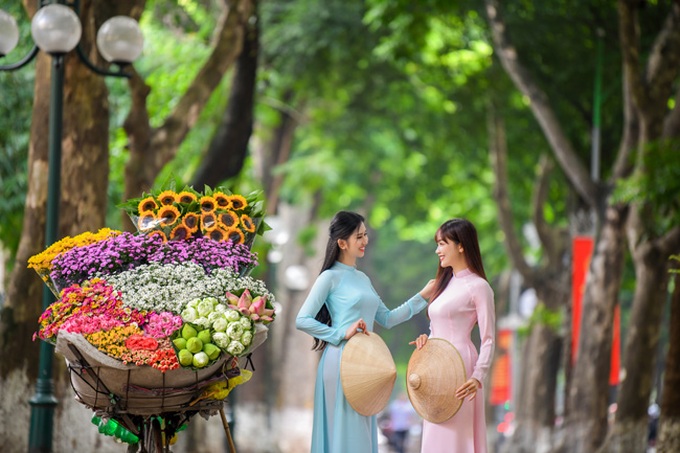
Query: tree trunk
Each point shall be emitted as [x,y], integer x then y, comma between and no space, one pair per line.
[589,395]
[669,423]
[229,146]
[630,429]
[84,181]
[535,414]
[151,149]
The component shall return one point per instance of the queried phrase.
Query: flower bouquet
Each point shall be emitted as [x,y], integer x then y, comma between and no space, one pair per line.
[153,324]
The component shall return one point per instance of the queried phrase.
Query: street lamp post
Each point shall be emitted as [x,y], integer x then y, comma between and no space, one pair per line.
[56,30]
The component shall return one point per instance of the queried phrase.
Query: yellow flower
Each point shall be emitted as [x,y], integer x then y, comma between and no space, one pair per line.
[238,202]
[235,235]
[167,197]
[190,220]
[222,200]
[217,234]
[208,203]
[148,204]
[42,262]
[186,197]
[247,223]
[208,221]
[146,221]
[168,215]
[180,232]
[228,219]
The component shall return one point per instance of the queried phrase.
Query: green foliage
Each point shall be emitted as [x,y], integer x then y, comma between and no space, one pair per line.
[542,316]
[654,186]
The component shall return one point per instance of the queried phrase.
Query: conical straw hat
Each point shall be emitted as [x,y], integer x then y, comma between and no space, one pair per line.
[368,373]
[433,375]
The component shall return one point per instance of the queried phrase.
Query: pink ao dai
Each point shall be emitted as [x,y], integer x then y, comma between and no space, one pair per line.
[467,300]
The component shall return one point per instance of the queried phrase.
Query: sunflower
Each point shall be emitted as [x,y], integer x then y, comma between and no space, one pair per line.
[238,202]
[148,204]
[208,221]
[247,223]
[235,235]
[208,203]
[146,221]
[180,232]
[186,197]
[217,234]
[190,221]
[167,197]
[168,215]
[160,234]
[222,200]
[228,219]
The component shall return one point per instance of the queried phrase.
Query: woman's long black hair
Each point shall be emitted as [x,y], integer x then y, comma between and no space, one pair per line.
[463,232]
[343,225]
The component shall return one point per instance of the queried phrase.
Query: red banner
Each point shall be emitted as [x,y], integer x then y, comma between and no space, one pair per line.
[501,375]
[582,250]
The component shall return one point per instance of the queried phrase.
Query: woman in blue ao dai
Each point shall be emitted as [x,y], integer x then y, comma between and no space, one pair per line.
[341,304]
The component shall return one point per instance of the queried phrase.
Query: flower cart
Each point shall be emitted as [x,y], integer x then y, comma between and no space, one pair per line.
[158,326]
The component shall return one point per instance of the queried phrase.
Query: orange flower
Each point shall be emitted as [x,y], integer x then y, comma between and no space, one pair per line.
[186,197]
[217,234]
[247,223]
[228,219]
[208,221]
[190,221]
[238,202]
[168,215]
[167,197]
[148,204]
[235,235]
[208,203]
[180,232]
[146,221]
[222,200]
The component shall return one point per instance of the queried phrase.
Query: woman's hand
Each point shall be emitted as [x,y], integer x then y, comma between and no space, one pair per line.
[428,290]
[420,341]
[356,327]
[468,389]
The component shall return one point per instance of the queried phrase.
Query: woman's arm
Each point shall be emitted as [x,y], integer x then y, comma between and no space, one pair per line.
[486,318]
[316,298]
[390,318]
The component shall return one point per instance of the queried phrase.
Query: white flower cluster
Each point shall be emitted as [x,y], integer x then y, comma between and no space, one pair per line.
[231,331]
[167,287]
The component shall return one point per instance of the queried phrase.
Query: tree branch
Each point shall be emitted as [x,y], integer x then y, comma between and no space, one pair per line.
[499,152]
[560,144]
[663,65]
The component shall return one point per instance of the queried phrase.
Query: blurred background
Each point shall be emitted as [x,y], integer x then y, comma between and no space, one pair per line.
[551,125]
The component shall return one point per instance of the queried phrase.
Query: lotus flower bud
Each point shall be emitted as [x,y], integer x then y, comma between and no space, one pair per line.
[194,345]
[180,343]
[200,359]
[185,357]
[212,351]
[232,298]
[204,336]
[188,331]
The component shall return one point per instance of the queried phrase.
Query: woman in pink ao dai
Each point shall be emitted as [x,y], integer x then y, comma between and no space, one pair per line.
[461,299]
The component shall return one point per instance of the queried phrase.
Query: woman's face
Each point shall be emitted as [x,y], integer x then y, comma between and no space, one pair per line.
[355,246]
[449,252]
